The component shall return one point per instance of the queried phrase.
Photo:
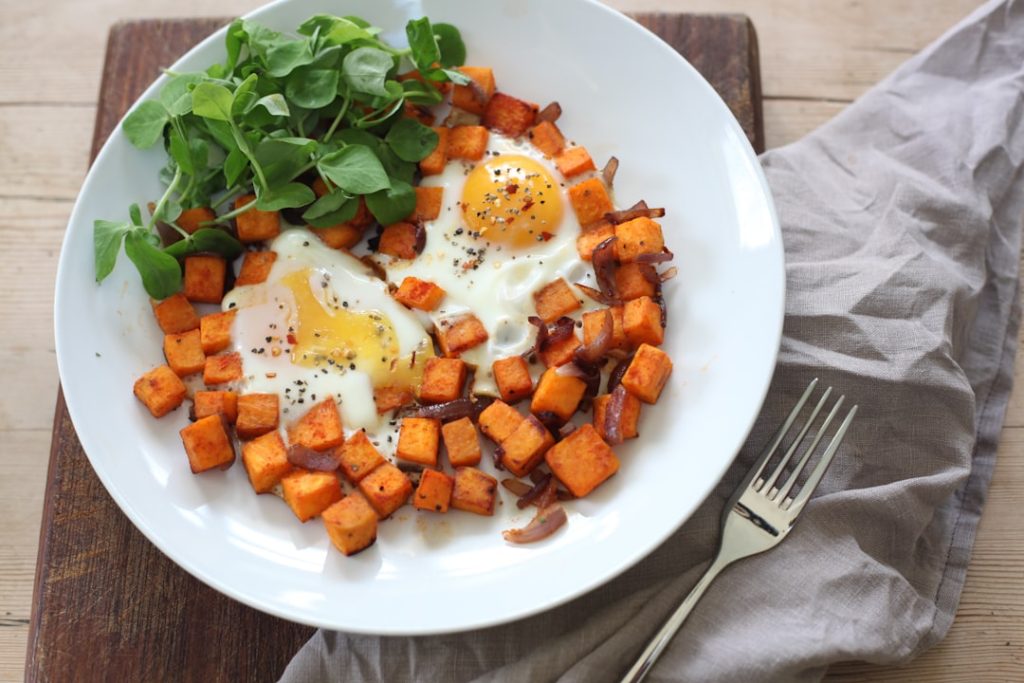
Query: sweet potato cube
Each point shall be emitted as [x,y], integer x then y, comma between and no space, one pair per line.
[398,240]
[554,300]
[255,268]
[574,161]
[468,142]
[461,334]
[442,380]
[641,322]
[215,330]
[434,163]
[428,203]
[582,460]
[266,460]
[630,416]
[593,236]
[434,492]
[560,352]
[590,201]
[257,415]
[462,442]
[215,402]
[204,278]
[546,137]
[223,368]
[474,99]
[207,444]
[184,352]
[358,457]
[647,373]
[191,220]
[319,428]
[343,236]
[255,225]
[175,314]
[638,236]
[474,491]
[417,293]
[418,440]
[390,398]
[386,488]
[524,448]
[310,493]
[419,112]
[160,390]
[593,324]
[512,375]
[498,421]
[509,115]
[558,394]
[634,280]
[351,524]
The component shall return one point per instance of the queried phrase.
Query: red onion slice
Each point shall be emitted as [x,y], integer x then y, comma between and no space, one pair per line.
[546,522]
[550,113]
[603,260]
[636,211]
[551,334]
[453,410]
[531,496]
[518,488]
[598,346]
[617,372]
[660,257]
[597,295]
[420,233]
[303,456]
[613,416]
[668,274]
[609,170]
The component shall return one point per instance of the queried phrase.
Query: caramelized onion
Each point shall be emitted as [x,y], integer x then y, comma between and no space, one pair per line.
[603,260]
[609,170]
[550,420]
[534,493]
[550,113]
[593,352]
[544,523]
[668,274]
[518,488]
[566,429]
[591,374]
[420,233]
[660,257]
[452,410]
[461,117]
[303,456]
[636,211]
[617,372]
[551,334]
[597,295]
[613,416]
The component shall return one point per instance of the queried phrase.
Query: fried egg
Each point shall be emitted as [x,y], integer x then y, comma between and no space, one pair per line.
[322,324]
[505,230]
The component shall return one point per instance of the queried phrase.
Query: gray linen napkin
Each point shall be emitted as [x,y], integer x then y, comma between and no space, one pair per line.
[901,221]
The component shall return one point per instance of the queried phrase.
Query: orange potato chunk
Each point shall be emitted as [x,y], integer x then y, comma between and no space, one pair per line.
[641,322]
[204,278]
[351,524]
[310,493]
[215,402]
[417,293]
[638,236]
[593,323]
[523,450]
[560,352]
[582,461]
[398,240]
[386,488]
[184,353]
[467,142]
[207,444]
[434,492]
[175,314]
[390,398]
[470,99]
[223,368]
[590,201]
[343,236]
[554,300]
[442,380]
[546,137]
[266,460]
[460,335]
[255,267]
[630,416]
[647,373]
[319,428]
[474,491]
[215,330]
[418,440]
[160,390]
[435,162]
[512,375]
[257,415]
[428,203]
[462,442]
[632,283]
[592,236]
[498,420]
[509,115]
[574,161]
[255,225]
[358,457]
[191,220]
[558,394]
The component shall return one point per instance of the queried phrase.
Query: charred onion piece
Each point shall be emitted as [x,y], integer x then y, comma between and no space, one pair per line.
[303,456]
[591,374]
[550,113]
[533,494]
[597,295]
[518,488]
[376,268]
[544,523]
[420,233]
[452,410]
[551,334]
[609,170]
[636,211]
[617,372]
[550,421]
[594,351]
[613,416]
[603,260]
[660,257]
[668,274]
[566,429]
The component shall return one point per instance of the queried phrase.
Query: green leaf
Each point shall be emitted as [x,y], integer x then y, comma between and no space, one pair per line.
[366,68]
[449,42]
[169,212]
[275,103]
[329,203]
[456,77]
[287,56]
[179,150]
[221,132]
[355,169]
[419,92]
[176,95]
[343,214]
[395,167]
[290,196]
[206,240]
[234,164]
[245,96]
[212,101]
[233,40]
[411,140]
[336,30]
[423,44]
[392,205]
[106,242]
[144,126]
[312,88]
[161,274]
[135,214]
[282,158]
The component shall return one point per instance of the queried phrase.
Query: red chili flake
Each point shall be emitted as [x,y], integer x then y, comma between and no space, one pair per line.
[511,188]
[527,204]
[292,339]
[545,236]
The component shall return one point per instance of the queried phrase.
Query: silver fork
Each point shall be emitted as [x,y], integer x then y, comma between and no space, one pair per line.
[760,513]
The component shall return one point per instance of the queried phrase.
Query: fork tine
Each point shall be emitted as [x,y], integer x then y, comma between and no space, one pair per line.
[767,487]
[769,451]
[791,480]
[819,470]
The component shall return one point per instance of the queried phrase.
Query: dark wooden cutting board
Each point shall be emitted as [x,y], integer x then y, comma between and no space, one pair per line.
[109,605]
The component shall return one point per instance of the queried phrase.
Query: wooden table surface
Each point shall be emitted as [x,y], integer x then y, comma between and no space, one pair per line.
[816,57]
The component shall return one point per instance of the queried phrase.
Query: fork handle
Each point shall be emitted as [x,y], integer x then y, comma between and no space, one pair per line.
[653,650]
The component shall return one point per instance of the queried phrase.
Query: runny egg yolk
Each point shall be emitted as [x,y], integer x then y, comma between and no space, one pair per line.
[512,199]
[326,334]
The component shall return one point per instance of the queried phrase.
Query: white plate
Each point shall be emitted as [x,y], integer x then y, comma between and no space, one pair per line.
[624,93]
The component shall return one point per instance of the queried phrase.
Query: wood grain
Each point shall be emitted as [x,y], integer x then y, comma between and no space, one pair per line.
[98,579]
